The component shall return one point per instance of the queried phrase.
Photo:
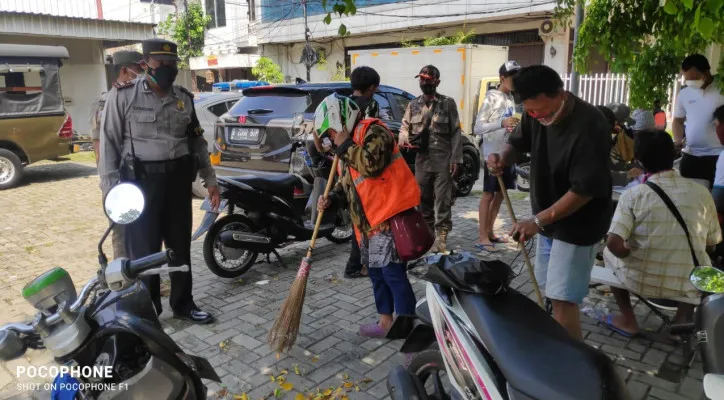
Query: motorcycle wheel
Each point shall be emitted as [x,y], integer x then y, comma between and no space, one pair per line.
[468,171]
[520,182]
[224,261]
[429,367]
[343,231]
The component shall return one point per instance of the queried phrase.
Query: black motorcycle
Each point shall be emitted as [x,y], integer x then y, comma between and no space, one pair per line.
[264,213]
[117,331]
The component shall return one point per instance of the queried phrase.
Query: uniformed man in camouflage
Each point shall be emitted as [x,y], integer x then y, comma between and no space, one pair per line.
[126,67]
[150,136]
[431,123]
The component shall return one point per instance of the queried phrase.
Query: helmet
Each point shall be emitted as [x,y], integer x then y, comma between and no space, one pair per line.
[336,112]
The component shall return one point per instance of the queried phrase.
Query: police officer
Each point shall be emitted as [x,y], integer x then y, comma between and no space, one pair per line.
[126,67]
[150,136]
[431,123]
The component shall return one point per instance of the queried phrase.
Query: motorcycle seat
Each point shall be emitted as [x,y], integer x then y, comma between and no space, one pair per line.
[279,185]
[536,355]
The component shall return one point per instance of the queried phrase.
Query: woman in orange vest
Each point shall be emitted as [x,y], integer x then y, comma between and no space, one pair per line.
[377,184]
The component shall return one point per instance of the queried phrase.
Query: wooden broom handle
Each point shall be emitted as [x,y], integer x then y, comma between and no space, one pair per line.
[327,189]
[528,264]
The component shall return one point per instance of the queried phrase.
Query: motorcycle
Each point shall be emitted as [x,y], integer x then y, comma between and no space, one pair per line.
[276,211]
[493,346]
[117,331]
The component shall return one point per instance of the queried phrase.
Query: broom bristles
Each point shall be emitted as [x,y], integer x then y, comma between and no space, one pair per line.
[283,333]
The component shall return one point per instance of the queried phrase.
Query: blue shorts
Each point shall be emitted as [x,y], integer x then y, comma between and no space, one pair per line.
[563,270]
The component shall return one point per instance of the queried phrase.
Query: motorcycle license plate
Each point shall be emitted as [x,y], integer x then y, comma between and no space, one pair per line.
[244,134]
[206,205]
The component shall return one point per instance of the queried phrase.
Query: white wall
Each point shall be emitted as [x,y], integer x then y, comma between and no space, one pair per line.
[136,11]
[63,8]
[400,17]
[82,77]
[288,55]
[225,40]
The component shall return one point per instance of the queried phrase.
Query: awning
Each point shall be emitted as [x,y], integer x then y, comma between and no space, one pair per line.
[224,61]
[82,28]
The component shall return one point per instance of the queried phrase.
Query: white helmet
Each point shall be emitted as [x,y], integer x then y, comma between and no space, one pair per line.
[336,112]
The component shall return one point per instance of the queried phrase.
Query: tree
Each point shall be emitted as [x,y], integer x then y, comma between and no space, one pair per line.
[268,71]
[187,31]
[461,37]
[339,8]
[647,39]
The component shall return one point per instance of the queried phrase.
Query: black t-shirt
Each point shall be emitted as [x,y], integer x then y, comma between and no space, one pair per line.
[572,155]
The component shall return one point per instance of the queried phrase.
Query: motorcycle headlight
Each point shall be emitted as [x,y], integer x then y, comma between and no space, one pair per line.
[297,163]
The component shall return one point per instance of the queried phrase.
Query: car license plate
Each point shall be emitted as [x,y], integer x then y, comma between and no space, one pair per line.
[244,134]
[206,205]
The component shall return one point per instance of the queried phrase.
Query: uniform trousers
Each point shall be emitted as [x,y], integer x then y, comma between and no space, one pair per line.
[436,198]
[166,219]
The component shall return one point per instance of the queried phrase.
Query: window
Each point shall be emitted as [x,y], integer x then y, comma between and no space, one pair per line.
[216,9]
[385,107]
[252,9]
[218,109]
[167,2]
[401,102]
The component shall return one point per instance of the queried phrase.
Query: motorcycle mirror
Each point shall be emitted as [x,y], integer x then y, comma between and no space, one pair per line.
[124,203]
[707,279]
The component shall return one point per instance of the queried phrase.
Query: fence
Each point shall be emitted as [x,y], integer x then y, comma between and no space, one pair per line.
[601,89]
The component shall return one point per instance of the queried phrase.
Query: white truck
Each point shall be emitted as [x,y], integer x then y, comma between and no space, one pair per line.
[462,69]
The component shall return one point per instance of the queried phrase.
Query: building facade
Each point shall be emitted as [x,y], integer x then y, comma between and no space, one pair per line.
[525,27]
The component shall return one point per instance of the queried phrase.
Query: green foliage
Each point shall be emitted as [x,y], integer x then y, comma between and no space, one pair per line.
[339,8]
[408,43]
[268,71]
[340,75]
[187,31]
[459,38]
[647,39]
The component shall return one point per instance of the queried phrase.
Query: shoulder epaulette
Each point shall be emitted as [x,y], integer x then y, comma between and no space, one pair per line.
[183,89]
[123,85]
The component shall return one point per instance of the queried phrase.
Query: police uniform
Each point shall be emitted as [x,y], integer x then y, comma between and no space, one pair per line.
[156,143]
[432,164]
[119,58]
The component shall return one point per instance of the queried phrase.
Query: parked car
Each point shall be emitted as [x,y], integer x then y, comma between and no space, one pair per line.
[209,107]
[34,125]
[258,134]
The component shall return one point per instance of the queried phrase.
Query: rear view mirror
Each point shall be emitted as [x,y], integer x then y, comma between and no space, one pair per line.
[124,203]
[707,279]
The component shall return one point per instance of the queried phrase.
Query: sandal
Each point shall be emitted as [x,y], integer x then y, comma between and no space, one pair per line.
[355,275]
[497,239]
[372,331]
[490,248]
[607,321]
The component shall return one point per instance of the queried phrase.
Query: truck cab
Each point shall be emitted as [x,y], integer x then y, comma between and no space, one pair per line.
[34,125]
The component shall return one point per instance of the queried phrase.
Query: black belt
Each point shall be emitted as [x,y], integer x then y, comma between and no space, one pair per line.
[167,166]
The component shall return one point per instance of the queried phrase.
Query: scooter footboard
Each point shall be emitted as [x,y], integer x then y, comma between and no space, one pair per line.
[402,385]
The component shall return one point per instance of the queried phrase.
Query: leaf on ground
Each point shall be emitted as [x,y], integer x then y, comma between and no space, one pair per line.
[279,356]
[223,344]
[287,386]
[315,359]
[344,398]
[345,377]
[242,396]
[366,380]
[327,392]
[348,385]
[356,388]
[284,372]
[296,369]
[299,396]
[223,392]
[277,393]
[273,378]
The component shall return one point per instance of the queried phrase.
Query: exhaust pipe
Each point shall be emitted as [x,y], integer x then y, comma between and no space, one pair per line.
[244,240]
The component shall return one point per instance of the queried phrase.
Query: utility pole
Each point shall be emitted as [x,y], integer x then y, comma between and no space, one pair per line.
[306,40]
[577,26]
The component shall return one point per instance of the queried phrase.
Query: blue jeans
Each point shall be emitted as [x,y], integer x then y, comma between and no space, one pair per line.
[563,270]
[393,291]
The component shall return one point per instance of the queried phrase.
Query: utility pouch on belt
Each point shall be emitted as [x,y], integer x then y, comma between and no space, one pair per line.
[131,168]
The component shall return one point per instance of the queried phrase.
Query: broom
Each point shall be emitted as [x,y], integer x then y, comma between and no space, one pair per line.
[526,257]
[286,327]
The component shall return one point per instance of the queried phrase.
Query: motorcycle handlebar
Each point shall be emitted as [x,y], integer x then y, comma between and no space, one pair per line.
[134,268]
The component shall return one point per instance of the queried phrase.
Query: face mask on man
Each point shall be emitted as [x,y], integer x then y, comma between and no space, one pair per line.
[427,88]
[696,84]
[547,120]
[163,76]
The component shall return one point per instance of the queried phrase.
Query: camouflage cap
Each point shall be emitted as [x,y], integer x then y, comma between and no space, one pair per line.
[127,57]
[429,72]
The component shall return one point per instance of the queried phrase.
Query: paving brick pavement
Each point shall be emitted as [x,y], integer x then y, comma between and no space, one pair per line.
[55,219]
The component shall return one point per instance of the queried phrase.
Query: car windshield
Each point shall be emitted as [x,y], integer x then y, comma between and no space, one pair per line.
[271,103]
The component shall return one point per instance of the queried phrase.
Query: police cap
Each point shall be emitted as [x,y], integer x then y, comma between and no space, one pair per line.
[160,49]
[127,57]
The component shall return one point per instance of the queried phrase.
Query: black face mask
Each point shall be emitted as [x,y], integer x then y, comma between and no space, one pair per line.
[164,76]
[428,89]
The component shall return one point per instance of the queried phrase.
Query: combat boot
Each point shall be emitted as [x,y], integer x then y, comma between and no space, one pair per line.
[440,245]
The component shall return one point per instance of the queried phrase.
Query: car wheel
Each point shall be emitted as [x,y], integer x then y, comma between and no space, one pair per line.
[522,175]
[198,189]
[11,169]
[468,173]
[224,261]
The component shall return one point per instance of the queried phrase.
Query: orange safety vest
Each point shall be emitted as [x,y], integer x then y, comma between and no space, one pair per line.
[393,191]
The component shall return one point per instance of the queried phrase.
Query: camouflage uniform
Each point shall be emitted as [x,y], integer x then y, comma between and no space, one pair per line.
[432,167]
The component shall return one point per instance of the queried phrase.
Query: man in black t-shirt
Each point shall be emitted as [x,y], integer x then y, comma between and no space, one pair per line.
[569,142]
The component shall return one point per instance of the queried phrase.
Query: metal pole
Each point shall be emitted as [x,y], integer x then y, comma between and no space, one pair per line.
[579,21]
[306,39]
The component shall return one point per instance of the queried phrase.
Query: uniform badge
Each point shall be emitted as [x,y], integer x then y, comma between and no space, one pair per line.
[166,47]
[180,105]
